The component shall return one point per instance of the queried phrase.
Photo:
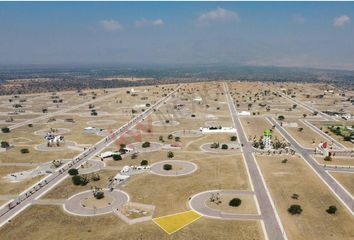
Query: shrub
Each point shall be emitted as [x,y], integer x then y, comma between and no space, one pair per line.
[177,139]
[167,167]
[233,138]
[331,209]
[24,150]
[284,160]
[170,136]
[146,144]
[5,130]
[5,144]
[295,209]
[95,177]
[30,125]
[73,172]
[214,145]
[170,154]
[224,146]
[99,195]
[144,163]
[327,158]
[235,202]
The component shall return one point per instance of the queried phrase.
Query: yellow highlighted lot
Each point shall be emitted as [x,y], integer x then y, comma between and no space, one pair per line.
[173,223]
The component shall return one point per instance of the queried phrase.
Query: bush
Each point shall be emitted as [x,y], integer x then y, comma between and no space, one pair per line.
[5,130]
[295,209]
[30,125]
[146,144]
[170,154]
[331,209]
[167,167]
[116,157]
[144,163]
[177,139]
[233,138]
[99,195]
[73,172]
[235,202]
[170,136]
[24,150]
[5,144]
[224,146]
[327,158]
[95,177]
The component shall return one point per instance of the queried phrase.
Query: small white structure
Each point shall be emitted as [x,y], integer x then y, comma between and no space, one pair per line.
[108,154]
[244,113]
[219,129]
[124,174]
[53,139]
[92,129]
[197,99]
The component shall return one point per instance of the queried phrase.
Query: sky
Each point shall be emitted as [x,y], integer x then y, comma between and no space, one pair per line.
[295,34]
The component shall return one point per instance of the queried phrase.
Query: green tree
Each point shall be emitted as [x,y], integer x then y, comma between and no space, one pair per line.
[73,172]
[5,144]
[77,180]
[167,167]
[5,130]
[224,146]
[24,150]
[116,157]
[281,117]
[144,163]
[295,209]
[233,138]
[235,202]
[331,209]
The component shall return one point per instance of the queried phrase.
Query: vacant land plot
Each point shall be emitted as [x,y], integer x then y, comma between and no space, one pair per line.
[286,179]
[9,188]
[346,179]
[304,135]
[51,221]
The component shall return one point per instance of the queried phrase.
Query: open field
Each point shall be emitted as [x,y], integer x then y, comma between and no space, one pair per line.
[10,188]
[51,221]
[346,179]
[284,179]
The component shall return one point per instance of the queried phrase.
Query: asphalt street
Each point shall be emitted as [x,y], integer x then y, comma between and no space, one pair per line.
[272,223]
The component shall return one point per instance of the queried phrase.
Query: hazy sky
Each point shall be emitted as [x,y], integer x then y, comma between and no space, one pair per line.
[317,34]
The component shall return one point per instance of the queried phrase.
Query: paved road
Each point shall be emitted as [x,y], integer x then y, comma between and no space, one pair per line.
[324,135]
[339,168]
[307,107]
[273,226]
[198,203]
[26,198]
[48,115]
[344,196]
